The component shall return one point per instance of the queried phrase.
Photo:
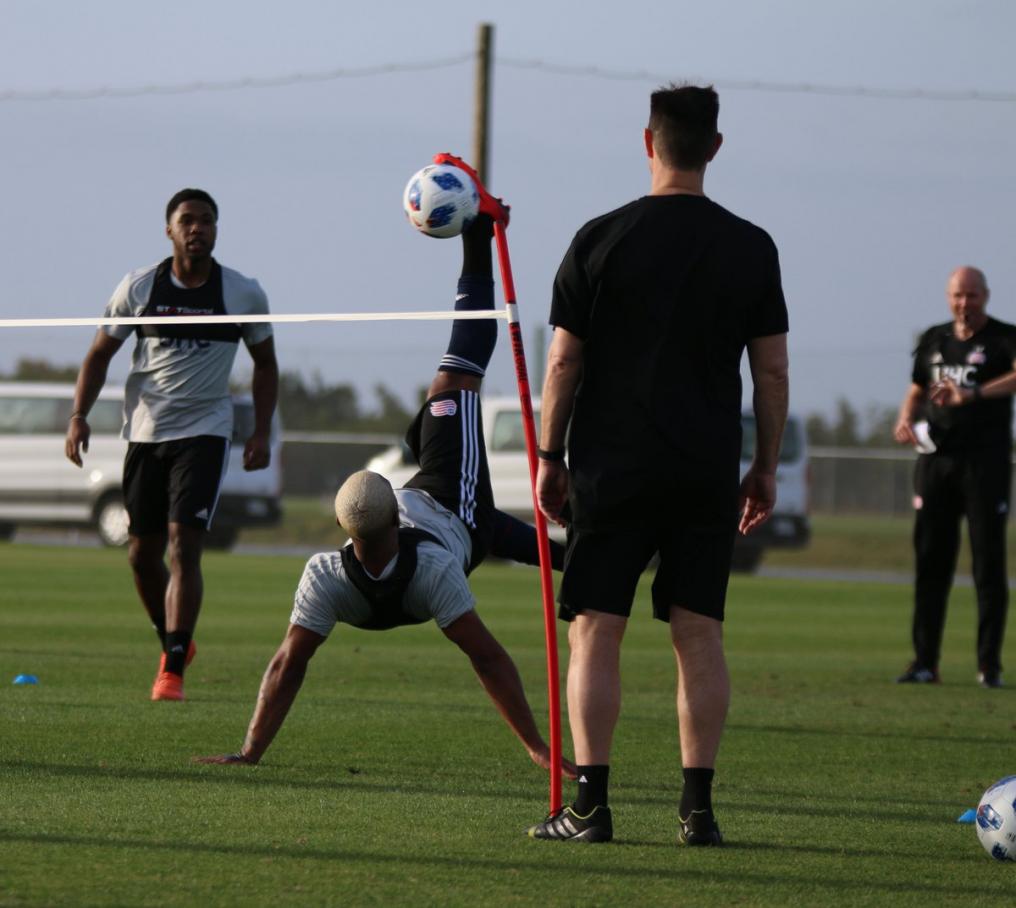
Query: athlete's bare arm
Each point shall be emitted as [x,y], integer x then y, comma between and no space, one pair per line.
[767,357]
[500,678]
[91,378]
[564,369]
[947,393]
[279,688]
[257,451]
[903,431]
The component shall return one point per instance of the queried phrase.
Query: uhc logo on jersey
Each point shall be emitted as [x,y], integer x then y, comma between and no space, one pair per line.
[443,408]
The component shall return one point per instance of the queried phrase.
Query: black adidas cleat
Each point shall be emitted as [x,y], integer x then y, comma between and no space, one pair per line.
[989,679]
[918,674]
[596,826]
[699,828]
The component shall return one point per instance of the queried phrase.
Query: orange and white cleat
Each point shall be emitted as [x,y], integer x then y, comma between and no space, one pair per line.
[489,205]
[168,687]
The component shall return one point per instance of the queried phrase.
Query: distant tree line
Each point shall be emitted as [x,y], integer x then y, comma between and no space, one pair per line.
[846,427]
[305,405]
[315,405]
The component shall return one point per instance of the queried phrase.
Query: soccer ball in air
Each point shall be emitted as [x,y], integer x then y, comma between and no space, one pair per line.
[996,820]
[440,200]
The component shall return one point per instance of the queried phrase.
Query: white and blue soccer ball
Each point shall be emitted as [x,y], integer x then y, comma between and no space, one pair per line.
[996,820]
[441,200]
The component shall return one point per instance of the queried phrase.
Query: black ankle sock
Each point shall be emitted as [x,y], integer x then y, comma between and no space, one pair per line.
[592,788]
[177,644]
[160,629]
[698,791]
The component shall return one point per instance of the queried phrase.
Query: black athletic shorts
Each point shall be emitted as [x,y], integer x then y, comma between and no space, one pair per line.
[688,520]
[447,440]
[173,482]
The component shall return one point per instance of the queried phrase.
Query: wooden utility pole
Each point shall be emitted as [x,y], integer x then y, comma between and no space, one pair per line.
[481,121]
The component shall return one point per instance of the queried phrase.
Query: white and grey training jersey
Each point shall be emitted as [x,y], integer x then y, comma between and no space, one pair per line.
[178,385]
[438,589]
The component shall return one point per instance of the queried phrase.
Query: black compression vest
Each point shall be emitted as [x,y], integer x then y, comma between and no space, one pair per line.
[385,596]
[167,300]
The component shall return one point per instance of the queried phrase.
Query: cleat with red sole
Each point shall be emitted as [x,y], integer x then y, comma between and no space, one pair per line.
[192,651]
[495,208]
[168,687]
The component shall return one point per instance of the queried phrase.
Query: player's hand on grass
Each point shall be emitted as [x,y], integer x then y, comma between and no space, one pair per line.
[552,490]
[758,497]
[541,757]
[222,759]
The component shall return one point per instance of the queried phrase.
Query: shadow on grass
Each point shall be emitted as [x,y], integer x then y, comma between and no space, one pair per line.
[260,777]
[607,867]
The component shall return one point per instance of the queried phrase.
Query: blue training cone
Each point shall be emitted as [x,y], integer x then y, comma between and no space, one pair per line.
[26,679]
[968,816]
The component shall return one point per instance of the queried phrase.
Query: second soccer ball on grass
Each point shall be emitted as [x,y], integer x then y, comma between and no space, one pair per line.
[440,200]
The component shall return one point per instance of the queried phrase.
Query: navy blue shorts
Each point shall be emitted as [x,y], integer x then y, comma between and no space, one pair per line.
[447,440]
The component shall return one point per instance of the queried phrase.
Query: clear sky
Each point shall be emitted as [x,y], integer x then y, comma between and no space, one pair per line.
[871,201]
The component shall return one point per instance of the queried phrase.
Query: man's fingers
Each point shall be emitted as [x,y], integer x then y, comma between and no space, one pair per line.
[221,759]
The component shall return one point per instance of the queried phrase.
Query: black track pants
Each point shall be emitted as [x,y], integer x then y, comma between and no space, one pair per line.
[948,487]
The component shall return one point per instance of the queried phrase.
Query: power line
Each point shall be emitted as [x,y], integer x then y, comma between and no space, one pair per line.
[859,91]
[562,69]
[184,88]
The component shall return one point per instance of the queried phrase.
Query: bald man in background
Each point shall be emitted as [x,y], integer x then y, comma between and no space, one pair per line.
[963,378]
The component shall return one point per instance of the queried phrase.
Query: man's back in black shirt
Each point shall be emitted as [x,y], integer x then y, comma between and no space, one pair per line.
[665,293]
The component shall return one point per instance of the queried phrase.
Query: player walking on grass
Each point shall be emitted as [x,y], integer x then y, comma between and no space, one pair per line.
[653,307]
[412,549]
[963,380]
[178,416]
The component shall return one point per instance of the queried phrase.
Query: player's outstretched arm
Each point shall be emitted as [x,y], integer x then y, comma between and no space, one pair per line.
[500,678]
[279,688]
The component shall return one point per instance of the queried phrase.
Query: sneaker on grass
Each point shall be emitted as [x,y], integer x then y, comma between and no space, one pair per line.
[596,826]
[168,687]
[918,674]
[699,828]
[990,679]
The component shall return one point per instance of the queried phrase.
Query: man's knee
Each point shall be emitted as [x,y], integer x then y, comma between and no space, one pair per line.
[145,552]
[185,544]
[596,631]
[692,631]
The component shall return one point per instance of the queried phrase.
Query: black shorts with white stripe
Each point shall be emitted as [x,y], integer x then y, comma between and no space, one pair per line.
[447,440]
[173,482]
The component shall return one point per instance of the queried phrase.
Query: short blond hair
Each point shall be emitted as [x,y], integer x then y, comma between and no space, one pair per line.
[365,505]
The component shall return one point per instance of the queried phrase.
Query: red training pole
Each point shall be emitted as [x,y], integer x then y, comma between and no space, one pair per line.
[498,213]
[542,540]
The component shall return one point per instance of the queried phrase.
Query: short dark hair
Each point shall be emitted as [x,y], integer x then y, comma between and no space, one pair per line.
[682,119]
[190,195]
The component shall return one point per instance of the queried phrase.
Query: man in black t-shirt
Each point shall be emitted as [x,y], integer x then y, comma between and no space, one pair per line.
[963,377]
[653,306]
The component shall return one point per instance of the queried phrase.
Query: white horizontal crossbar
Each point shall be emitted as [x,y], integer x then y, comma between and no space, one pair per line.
[248,319]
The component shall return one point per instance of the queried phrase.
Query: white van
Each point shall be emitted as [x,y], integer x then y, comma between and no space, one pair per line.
[39,486]
[788,527]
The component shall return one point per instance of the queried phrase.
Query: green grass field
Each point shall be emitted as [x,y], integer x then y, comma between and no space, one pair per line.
[394,782]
